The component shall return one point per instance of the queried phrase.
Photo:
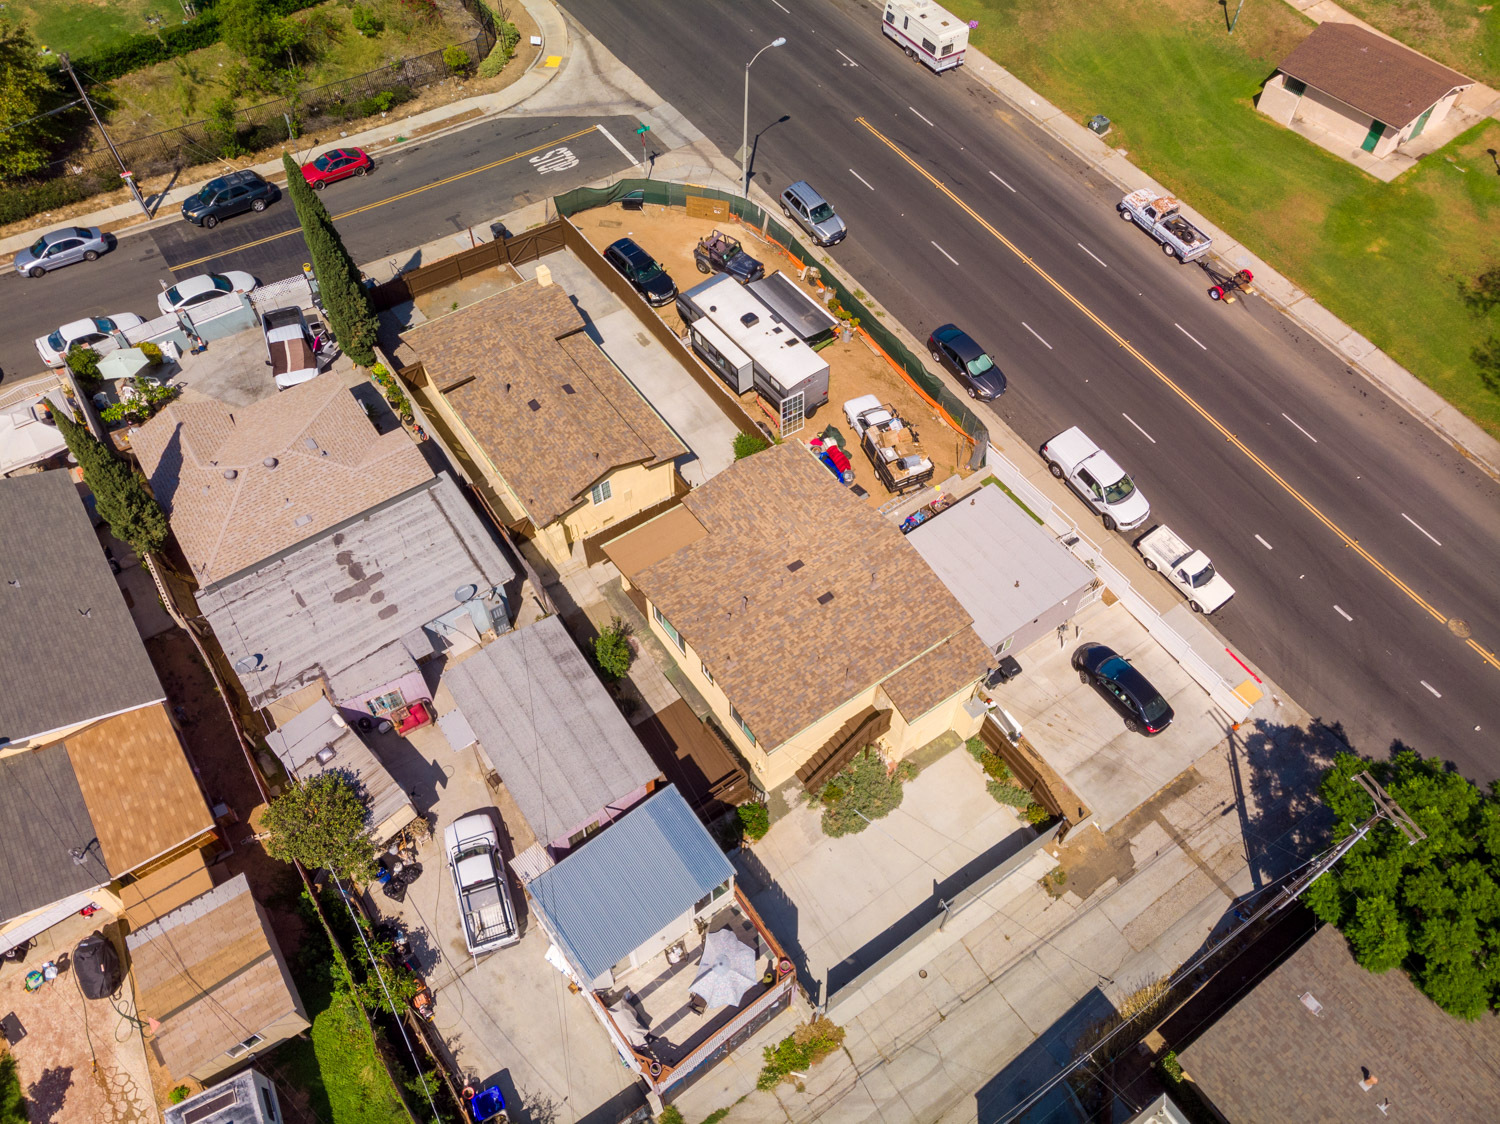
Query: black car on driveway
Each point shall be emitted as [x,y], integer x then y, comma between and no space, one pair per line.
[1145,711]
[227,196]
[642,271]
[956,350]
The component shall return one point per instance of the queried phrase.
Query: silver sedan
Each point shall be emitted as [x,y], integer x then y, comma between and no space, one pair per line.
[63,247]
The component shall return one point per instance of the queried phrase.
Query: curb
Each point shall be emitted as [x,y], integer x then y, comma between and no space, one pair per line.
[553,29]
[1408,391]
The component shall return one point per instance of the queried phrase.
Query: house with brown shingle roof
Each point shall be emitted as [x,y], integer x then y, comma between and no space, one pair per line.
[1359,90]
[560,442]
[212,984]
[805,619]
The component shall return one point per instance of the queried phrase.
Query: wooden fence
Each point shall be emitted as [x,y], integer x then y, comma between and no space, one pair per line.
[1046,786]
[515,250]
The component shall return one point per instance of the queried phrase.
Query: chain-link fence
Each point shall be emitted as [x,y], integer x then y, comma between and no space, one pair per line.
[949,405]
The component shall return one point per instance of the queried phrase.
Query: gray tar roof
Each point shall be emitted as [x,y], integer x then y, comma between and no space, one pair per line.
[71,651]
[629,882]
[322,607]
[235,1101]
[549,727]
[1005,569]
[42,817]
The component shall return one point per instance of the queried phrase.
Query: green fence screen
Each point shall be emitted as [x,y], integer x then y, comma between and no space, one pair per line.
[665,194]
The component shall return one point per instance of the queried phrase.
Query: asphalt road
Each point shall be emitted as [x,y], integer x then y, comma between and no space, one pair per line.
[416,194]
[1363,547]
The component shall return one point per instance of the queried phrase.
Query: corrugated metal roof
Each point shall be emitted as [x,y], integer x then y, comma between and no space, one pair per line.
[1004,568]
[549,727]
[629,882]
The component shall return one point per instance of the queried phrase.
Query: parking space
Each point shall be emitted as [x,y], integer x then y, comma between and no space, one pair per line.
[1084,738]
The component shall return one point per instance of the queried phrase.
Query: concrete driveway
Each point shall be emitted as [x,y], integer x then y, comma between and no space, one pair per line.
[1084,738]
[841,904]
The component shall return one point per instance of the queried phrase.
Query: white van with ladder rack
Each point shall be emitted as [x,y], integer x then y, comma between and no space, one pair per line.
[931,34]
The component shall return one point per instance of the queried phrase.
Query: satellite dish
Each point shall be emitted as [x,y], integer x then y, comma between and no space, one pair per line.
[247,664]
[465,593]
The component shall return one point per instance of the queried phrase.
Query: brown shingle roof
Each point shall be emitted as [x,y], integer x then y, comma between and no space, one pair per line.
[920,686]
[209,973]
[1434,1068]
[330,466]
[139,788]
[1392,83]
[549,409]
[749,594]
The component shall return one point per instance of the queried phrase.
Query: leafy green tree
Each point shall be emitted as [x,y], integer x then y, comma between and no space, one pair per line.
[120,495]
[1432,907]
[26,90]
[321,823]
[251,29]
[612,649]
[345,300]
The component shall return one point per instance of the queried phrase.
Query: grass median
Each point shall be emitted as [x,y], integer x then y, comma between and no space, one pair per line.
[1385,258]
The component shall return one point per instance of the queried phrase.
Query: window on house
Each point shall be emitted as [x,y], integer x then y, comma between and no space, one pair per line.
[706,673]
[246,1046]
[741,723]
[600,492]
[666,626]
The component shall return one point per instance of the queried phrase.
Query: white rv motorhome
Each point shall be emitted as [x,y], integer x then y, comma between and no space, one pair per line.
[931,34]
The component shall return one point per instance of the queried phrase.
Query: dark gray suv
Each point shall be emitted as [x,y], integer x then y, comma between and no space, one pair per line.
[227,196]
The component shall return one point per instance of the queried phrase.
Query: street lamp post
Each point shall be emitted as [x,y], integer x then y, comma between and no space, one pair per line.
[745,128]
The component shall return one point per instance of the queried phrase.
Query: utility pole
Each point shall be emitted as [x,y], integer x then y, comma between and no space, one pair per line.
[125,174]
[1240,6]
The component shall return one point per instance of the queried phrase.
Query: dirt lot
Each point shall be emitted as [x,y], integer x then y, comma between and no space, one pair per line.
[854,368]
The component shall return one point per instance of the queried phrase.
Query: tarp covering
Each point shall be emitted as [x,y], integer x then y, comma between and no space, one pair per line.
[97,965]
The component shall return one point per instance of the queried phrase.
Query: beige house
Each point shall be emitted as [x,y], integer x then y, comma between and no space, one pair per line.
[807,621]
[1360,90]
[555,437]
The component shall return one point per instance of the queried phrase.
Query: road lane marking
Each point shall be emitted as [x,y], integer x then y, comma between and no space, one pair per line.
[1002,181]
[1431,688]
[390,199]
[1089,252]
[1133,422]
[1302,431]
[1263,543]
[1286,485]
[861,179]
[1033,331]
[1187,333]
[946,254]
[850,61]
[554,160]
[625,152]
[1341,613]
[923,118]
[1419,527]
[787,10]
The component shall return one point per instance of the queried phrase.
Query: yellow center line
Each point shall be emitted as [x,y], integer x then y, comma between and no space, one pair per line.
[1311,508]
[391,199]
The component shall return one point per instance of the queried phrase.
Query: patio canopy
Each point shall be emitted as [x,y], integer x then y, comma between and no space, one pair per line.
[726,971]
[125,363]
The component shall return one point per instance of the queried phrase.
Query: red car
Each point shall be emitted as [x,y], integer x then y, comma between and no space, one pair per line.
[337,164]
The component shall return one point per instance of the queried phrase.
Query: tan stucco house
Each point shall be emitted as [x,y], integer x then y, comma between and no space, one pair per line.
[1361,89]
[805,619]
[554,436]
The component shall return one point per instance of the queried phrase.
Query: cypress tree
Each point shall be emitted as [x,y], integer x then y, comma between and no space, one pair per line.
[344,299]
[120,496]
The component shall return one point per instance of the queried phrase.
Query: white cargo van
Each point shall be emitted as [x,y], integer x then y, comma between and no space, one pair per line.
[931,34]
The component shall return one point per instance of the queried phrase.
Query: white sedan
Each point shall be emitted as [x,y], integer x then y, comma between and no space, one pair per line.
[93,332]
[204,287]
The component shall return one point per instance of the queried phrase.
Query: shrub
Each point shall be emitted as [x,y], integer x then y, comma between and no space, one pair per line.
[1035,814]
[804,1047]
[670,1115]
[84,363]
[151,352]
[178,1095]
[755,820]
[864,791]
[21,201]
[222,127]
[748,444]
[1171,1068]
[1010,794]
[456,59]
[502,52]
[365,21]
[612,649]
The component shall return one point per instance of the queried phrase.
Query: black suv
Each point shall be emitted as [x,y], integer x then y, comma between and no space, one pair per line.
[227,196]
[641,270]
[956,350]
[1145,711]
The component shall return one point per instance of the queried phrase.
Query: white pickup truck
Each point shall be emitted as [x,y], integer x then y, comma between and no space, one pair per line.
[1093,474]
[1161,217]
[1188,569]
[473,847]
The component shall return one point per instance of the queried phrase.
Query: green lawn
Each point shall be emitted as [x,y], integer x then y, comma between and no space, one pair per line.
[1463,34]
[81,26]
[1385,258]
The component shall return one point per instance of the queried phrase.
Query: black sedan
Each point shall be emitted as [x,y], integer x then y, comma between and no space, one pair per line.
[642,271]
[956,350]
[1145,711]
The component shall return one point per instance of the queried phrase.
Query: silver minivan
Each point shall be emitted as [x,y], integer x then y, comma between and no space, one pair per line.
[813,213]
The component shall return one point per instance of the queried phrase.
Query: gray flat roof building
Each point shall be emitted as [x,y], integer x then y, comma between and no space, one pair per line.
[551,730]
[246,1098]
[71,652]
[1007,571]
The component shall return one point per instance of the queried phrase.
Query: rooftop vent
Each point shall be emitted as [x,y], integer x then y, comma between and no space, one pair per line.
[825,598]
[1311,1003]
[230,473]
[303,520]
[269,462]
[568,388]
[749,319]
[794,566]
[310,443]
[776,331]
[326,754]
[535,405]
